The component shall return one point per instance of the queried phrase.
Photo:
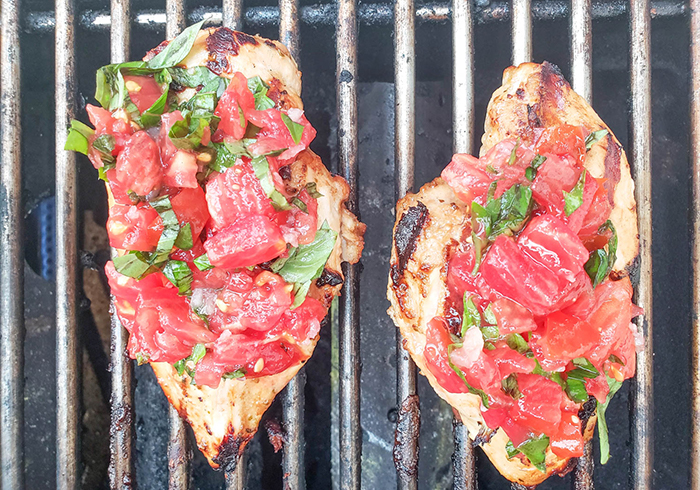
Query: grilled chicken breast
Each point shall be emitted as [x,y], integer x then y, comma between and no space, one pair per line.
[226,418]
[430,224]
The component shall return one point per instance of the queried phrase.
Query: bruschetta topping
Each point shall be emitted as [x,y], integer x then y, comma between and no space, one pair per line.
[534,325]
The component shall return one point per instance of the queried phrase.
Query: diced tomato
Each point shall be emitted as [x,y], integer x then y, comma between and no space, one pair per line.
[516,432]
[262,306]
[598,211]
[234,103]
[511,317]
[105,123]
[298,226]
[250,240]
[598,387]
[234,193]
[167,148]
[125,287]
[556,175]
[566,337]
[495,417]
[461,280]
[190,206]
[143,90]
[567,442]
[138,165]
[466,177]
[182,170]
[551,243]
[576,219]
[468,354]
[510,361]
[540,406]
[563,140]
[134,227]
[303,322]
[437,339]
[189,255]
[275,135]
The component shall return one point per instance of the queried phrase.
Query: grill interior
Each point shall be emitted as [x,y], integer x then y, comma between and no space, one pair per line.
[387,134]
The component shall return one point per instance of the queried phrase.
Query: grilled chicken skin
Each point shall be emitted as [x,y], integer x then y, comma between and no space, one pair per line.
[431,223]
[226,418]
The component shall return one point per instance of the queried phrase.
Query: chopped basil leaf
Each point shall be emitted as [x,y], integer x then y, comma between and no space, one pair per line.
[300,204]
[574,199]
[300,291]
[474,391]
[513,153]
[177,49]
[181,366]
[531,171]
[77,139]
[489,316]
[134,264]
[262,171]
[471,316]
[151,116]
[193,76]
[595,137]
[614,386]
[615,359]
[104,144]
[187,134]
[296,130]
[110,90]
[556,377]
[491,170]
[517,342]
[180,275]
[259,89]
[311,189]
[225,157]
[141,358]
[102,173]
[238,373]
[510,387]
[202,263]
[534,449]
[490,332]
[575,379]
[600,262]
[171,226]
[184,237]
[489,346]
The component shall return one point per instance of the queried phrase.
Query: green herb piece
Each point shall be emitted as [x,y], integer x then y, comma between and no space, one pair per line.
[471,316]
[187,134]
[238,373]
[574,199]
[202,263]
[177,49]
[151,116]
[300,204]
[110,87]
[595,137]
[134,264]
[553,376]
[534,449]
[513,153]
[614,386]
[262,171]
[490,332]
[306,262]
[615,359]
[510,387]
[171,226]
[78,137]
[536,163]
[259,89]
[180,275]
[296,130]
[491,170]
[104,144]
[517,342]
[600,262]
[182,366]
[489,316]
[311,189]
[184,239]
[474,391]
[227,155]
[141,358]
[193,76]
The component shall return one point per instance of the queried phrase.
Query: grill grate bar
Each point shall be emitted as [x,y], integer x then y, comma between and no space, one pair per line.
[350,431]
[121,426]
[68,352]
[641,394]
[293,395]
[404,157]
[178,447]
[582,82]
[464,458]
[11,255]
[521,31]
[695,142]
[232,14]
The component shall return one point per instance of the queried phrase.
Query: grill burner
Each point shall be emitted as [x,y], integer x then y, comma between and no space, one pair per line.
[423,134]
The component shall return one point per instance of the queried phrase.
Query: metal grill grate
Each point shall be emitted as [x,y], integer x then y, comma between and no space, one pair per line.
[345,15]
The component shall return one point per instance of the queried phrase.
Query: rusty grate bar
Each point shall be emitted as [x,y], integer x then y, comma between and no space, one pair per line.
[68,352]
[121,427]
[695,142]
[11,255]
[464,458]
[350,430]
[582,82]
[404,157]
[641,393]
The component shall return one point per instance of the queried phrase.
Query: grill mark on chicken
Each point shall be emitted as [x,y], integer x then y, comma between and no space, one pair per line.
[227,459]
[329,277]
[406,235]
[586,411]
[225,42]
[407,430]
[612,166]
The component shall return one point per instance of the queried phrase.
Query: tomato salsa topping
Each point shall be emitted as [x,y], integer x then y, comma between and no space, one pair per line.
[216,254]
[542,327]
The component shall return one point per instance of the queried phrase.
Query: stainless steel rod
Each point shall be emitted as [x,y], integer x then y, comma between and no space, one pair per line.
[695,142]
[121,428]
[582,81]
[11,255]
[640,137]
[237,479]
[404,156]
[521,23]
[232,14]
[350,430]
[289,26]
[68,351]
[464,459]
[178,450]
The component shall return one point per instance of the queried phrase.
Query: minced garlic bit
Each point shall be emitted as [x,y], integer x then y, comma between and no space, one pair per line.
[116,228]
[126,309]
[259,365]
[221,305]
[132,86]
[204,157]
